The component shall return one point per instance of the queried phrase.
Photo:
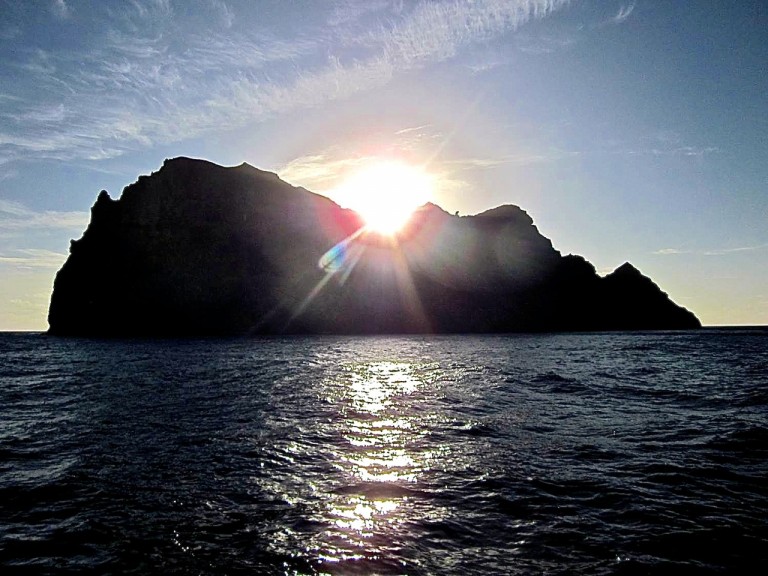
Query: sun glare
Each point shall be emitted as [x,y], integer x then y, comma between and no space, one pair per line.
[385,193]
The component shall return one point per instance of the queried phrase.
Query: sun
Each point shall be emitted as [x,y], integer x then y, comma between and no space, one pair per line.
[385,193]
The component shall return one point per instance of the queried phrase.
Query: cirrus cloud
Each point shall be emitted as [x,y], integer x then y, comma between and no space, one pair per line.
[152,77]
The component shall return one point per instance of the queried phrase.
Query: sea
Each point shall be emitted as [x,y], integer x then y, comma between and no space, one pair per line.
[605,453]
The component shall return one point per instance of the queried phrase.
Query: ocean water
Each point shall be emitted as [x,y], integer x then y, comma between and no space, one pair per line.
[524,454]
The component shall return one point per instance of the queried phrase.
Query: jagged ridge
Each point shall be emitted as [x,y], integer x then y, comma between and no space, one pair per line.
[199,249]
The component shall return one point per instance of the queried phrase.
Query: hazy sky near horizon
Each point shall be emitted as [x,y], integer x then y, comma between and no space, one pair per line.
[629,130]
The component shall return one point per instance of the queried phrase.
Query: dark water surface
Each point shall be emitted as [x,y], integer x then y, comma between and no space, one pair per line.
[558,454]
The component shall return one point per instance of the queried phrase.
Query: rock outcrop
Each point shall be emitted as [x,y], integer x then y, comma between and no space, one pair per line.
[199,249]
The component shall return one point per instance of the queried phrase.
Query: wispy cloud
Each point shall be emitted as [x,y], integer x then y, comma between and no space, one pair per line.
[659,144]
[15,218]
[149,9]
[152,77]
[325,169]
[691,151]
[545,44]
[521,159]
[413,129]
[738,249]
[224,13]
[623,14]
[716,252]
[483,66]
[351,11]
[60,9]
[436,32]
[316,172]
[320,172]
[33,258]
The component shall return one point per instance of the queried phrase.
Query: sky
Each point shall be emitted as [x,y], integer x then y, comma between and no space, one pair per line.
[628,130]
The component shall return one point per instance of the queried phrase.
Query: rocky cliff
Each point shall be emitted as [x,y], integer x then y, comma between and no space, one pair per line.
[199,249]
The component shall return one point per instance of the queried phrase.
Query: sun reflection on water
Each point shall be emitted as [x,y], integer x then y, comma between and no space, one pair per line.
[352,469]
[375,386]
[381,460]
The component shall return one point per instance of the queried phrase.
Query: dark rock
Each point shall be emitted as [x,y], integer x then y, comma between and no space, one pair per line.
[199,249]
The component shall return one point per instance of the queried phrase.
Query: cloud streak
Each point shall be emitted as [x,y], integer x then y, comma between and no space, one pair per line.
[624,13]
[17,218]
[523,159]
[737,250]
[317,172]
[717,252]
[32,258]
[661,144]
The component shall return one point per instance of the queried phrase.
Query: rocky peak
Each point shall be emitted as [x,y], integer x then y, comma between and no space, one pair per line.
[201,249]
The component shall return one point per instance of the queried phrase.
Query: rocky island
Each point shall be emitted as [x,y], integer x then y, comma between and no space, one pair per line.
[197,249]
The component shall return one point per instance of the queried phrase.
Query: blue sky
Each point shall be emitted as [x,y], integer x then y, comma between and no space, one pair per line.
[628,130]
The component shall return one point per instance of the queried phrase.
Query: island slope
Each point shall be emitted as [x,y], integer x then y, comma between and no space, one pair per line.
[197,249]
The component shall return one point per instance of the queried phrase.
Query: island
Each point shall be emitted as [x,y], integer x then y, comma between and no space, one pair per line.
[197,249]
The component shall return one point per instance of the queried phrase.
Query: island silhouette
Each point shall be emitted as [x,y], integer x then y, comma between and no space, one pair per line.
[197,249]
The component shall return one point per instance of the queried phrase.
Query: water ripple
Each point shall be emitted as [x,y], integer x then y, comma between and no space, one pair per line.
[594,454]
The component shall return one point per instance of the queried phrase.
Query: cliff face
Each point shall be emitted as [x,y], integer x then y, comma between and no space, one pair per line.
[198,249]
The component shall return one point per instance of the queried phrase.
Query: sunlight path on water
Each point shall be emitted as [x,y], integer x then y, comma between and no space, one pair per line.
[381,458]
[375,449]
